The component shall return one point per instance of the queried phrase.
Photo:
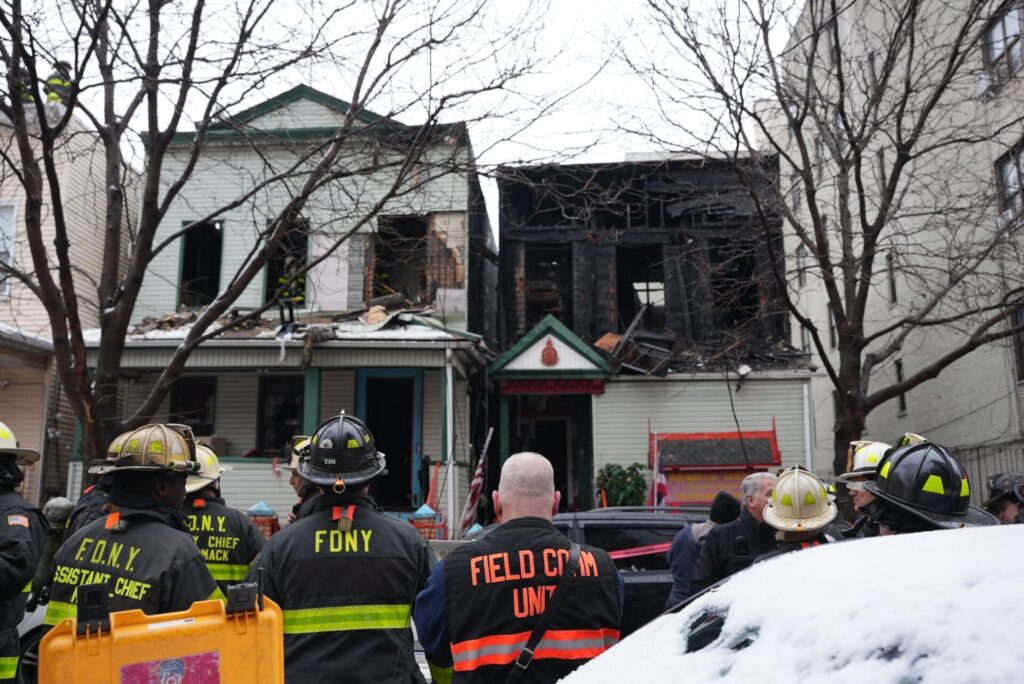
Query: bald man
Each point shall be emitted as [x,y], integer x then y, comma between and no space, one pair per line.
[483,601]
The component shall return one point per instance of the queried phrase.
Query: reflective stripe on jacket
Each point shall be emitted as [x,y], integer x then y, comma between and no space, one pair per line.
[226,537]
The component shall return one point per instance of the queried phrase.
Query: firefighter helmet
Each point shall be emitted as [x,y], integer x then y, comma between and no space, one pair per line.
[300,450]
[862,459]
[799,503]
[154,448]
[1004,486]
[9,445]
[210,469]
[927,482]
[342,452]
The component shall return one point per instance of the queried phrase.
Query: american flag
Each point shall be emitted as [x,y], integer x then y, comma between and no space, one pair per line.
[659,485]
[476,487]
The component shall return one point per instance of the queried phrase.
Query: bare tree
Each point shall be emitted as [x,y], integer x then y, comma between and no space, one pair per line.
[878,123]
[147,76]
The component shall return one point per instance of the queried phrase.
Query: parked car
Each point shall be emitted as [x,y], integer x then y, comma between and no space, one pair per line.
[30,630]
[927,607]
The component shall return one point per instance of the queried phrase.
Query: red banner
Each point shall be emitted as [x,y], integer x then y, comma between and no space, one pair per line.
[698,488]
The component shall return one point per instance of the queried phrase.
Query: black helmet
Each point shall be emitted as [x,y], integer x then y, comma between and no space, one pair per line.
[342,452]
[1005,486]
[926,481]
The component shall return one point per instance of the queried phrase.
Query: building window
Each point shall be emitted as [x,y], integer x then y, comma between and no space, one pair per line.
[548,271]
[279,414]
[899,379]
[805,340]
[192,403]
[200,264]
[8,215]
[640,279]
[833,336]
[290,258]
[890,267]
[400,259]
[1011,180]
[1004,45]
[801,265]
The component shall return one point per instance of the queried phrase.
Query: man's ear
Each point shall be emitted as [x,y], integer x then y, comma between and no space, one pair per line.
[496,498]
[557,500]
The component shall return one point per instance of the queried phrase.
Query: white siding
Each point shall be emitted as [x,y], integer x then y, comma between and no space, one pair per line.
[300,114]
[433,427]
[258,480]
[22,408]
[234,417]
[622,413]
[337,393]
[138,391]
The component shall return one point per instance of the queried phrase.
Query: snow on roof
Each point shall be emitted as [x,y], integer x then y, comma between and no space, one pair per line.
[26,338]
[928,607]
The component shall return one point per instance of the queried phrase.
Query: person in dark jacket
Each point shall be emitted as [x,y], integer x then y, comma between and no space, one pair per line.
[22,535]
[685,549]
[345,576]
[800,509]
[92,503]
[484,599]
[140,553]
[733,547]
[227,537]
[862,461]
[307,492]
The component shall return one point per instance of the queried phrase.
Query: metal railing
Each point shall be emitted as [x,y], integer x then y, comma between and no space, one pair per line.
[984,461]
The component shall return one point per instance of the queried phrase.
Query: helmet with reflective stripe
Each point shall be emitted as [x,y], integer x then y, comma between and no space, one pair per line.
[210,469]
[153,448]
[862,459]
[799,503]
[1004,486]
[9,445]
[342,452]
[925,481]
[300,450]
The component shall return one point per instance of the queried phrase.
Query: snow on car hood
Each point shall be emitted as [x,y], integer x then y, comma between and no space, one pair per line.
[928,607]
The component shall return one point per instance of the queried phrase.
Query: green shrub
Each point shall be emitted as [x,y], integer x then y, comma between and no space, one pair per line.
[623,486]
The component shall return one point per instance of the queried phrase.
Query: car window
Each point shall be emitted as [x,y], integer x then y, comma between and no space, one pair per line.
[634,547]
[707,627]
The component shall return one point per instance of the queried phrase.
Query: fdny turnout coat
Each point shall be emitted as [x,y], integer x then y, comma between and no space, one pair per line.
[144,556]
[484,599]
[22,535]
[730,548]
[90,506]
[345,576]
[226,537]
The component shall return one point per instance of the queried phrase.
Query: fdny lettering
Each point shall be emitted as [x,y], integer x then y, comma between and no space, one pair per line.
[336,541]
[492,568]
[206,523]
[99,552]
[80,577]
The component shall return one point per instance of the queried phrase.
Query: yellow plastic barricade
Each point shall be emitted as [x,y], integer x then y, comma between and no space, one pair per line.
[203,645]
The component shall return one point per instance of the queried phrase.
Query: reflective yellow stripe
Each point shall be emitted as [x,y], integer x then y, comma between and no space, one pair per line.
[227,571]
[345,618]
[28,587]
[965,488]
[8,667]
[217,595]
[440,675]
[58,611]
[885,469]
[934,485]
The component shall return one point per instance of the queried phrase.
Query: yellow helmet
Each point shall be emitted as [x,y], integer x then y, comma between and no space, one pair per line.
[153,448]
[210,469]
[862,459]
[9,445]
[300,450]
[115,446]
[799,503]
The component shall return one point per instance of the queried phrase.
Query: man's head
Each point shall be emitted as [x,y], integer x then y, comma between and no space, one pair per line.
[167,487]
[858,495]
[1006,492]
[757,490]
[527,488]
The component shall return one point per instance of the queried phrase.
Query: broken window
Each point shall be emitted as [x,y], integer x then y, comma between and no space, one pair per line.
[400,259]
[200,264]
[640,279]
[287,262]
[734,288]
[548,271]
[192,403]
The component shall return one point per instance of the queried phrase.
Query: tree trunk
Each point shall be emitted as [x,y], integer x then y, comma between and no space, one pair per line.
[851,416]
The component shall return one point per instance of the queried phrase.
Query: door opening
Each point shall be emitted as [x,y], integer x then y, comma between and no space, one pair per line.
[389,412]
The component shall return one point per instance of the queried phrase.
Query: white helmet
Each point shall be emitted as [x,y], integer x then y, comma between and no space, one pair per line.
[862,459]
[210,469]
[9,445]
[300,450]
[799,503]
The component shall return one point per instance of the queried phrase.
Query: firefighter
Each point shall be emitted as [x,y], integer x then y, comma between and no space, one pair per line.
[346,574]
[800,509]
[485,599]
[862,459]
[921,487]
[227,538]
[93,500]
[307,492]
[140,551]
[1005,496]
[58,83]
[294,293]
[22,535]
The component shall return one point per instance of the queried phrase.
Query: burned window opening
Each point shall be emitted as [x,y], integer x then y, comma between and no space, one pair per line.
[400,259]
[549,284]
[200,265]
[640,282]
[290,258]
[736,297]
